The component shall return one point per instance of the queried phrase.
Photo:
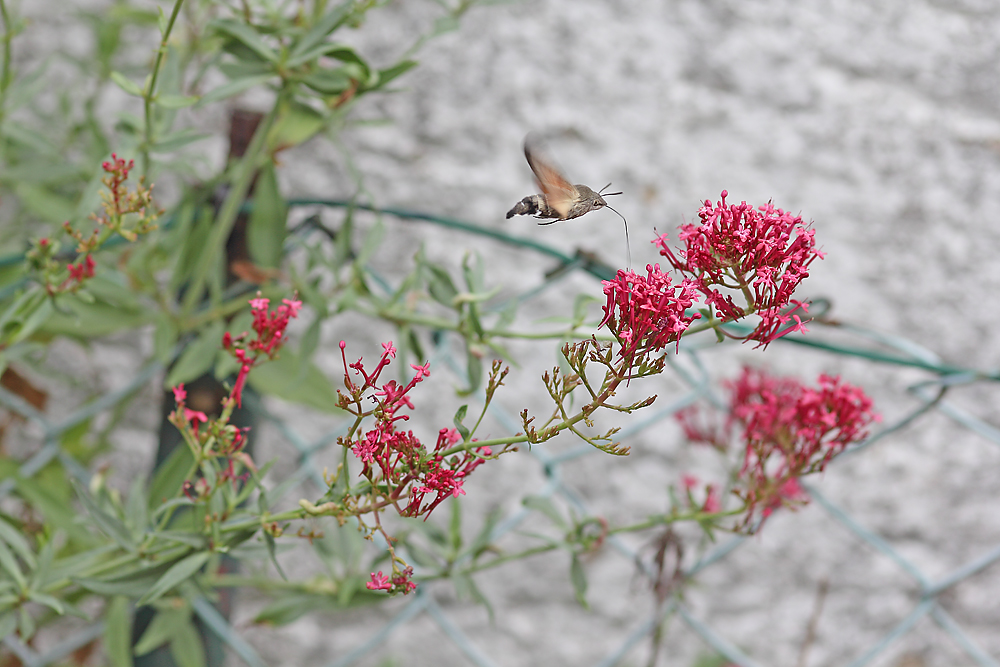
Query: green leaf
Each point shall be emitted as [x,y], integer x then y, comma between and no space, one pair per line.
[198,357]
[40,577]
[46,203]
[457,419]
[13,538]
[131,586]
[331,49]
[329,81]
[326,25]
[136,507]
[55,506]
[271,552]
[545,505]
[579,579]
[388,74]
[371,243]
[164,338]
[78,319]
[47,600]
[289,608]
[109,525]
[184,537]
[268,224]
[178,573]
[466,587]
[455,527]
[234,87]
[474,364]
[295,124]
[177,140]
[247,36]
[163,628]
[127,84]
[8,623]
[169,477]
[186,647]
[278,378]
[41,171]
[176,101]
[441,287]
[485,535]
[10,565]
[580,305]
[293,606]
[24,316]
[25,623]
[118,632]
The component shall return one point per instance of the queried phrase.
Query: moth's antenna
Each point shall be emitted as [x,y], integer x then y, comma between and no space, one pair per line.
[628,246]
[601,191]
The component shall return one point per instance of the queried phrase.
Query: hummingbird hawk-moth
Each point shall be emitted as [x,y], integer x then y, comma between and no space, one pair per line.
[559,198]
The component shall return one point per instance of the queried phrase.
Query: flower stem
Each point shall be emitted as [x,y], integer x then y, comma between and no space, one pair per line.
[149,94]
[6,74]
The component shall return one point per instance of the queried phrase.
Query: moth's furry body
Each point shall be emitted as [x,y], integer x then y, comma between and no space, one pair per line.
[559,199]
[586,200]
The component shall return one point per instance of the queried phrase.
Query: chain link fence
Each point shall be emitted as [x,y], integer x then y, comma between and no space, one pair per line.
[930,385]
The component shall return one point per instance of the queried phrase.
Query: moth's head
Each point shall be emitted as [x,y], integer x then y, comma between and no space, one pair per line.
[599,197]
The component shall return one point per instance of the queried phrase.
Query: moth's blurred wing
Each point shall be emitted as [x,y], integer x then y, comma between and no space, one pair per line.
[559,193]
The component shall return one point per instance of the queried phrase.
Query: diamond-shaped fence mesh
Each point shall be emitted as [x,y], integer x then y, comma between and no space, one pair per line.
[925,593]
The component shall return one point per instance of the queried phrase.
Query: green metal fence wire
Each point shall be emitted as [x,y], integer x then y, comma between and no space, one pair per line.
[691,370]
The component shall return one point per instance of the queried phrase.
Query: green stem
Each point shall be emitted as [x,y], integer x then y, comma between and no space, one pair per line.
[243,524]
[150,93]
[243,174]
[6,74]
[667,519]
[500,560]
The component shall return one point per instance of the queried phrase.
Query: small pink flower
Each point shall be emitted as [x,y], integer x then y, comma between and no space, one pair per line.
[195,418]
[379,582]
[293,306]
[401,582]
[712,503]
[260,303]
[422,371]
[364,450]
[179,394]
[689,482]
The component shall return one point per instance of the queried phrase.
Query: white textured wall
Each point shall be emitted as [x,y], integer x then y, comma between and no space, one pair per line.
[877,120]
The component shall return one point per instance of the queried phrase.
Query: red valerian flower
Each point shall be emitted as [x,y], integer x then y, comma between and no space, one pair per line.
[84,269]
[647,313]
[379,582]
[270,329]
[791,430]
[397,459]
[763,253]
[786,430]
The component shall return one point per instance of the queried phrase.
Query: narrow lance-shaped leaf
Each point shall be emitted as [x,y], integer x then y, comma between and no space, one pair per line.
[179,572]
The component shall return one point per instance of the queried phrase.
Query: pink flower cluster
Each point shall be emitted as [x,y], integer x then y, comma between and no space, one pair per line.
[786,430]
[395,459]
[647,313]
[229,442]
[762,253]
[83,270]
[270,329]
[400,582]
